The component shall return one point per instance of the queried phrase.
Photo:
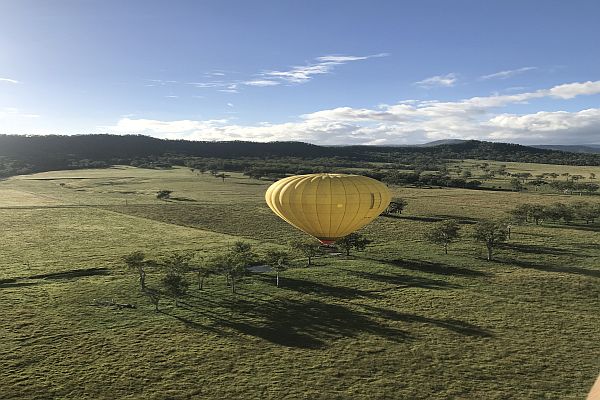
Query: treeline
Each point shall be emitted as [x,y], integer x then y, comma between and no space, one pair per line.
[423,179]
[568,213]
[23,154]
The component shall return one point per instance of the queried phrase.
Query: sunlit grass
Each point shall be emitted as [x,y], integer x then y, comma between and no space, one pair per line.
[400,320]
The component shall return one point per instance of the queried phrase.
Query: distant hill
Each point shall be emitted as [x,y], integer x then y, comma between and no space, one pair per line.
[24,154]
[585,148]
[441,142]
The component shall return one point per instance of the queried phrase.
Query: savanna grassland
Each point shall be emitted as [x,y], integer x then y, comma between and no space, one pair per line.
[400,320]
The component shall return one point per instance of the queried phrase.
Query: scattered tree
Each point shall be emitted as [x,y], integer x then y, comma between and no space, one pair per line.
[163,194]
[353,241]
[490,233]
[154,296]
[309,249]
[137,261]
[175,285]
[278,260]
[516,184]
[397,205]
[443,233]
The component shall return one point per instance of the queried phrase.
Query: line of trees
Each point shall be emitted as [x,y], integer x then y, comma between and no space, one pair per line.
[232,263]
[568,213]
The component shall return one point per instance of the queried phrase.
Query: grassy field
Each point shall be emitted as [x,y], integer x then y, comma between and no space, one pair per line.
[503,182]
[399,320]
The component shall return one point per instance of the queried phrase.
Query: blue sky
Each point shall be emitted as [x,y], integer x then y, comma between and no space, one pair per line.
[330,72]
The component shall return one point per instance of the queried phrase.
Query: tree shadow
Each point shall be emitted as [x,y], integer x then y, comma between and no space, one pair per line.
[13,283]
[433,267]
[455,325]
[413,218]
[75,273]
[319,289]
[404,281]
[588,228]
[309,324]
[551,268]
[534,249]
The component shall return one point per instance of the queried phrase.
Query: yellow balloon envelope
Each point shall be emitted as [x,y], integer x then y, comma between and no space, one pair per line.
[328,206]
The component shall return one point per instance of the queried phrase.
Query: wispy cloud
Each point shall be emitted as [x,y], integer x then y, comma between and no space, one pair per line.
[507,74]
[323,65]
[9,80]
[405,122]
[447,80]
[261,82]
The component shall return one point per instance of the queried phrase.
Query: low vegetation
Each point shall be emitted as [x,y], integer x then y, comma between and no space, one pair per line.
[523,325]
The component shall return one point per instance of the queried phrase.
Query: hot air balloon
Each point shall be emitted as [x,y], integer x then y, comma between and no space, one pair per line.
[328,206]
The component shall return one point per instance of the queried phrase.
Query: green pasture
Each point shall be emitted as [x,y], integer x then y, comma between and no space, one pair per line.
[400,320]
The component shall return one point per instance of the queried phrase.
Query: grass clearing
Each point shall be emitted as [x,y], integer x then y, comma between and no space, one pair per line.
[400,320]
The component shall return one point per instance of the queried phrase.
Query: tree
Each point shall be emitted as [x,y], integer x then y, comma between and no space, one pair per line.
[490,233]
[396,206]
[154,296]
[537,212]
[222,175]
[520,213]
[558,211]
[466,174]
[443,233]
[353,241]
[516,184]
[309,249]
[137,261]
[278,260]
[586,211]
[235,263]
[175,285]
[203,270]
[163,194]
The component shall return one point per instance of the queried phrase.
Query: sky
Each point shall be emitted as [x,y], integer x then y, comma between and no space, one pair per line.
[326,72]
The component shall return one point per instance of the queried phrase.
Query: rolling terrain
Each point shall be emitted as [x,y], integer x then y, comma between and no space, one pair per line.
[399,320]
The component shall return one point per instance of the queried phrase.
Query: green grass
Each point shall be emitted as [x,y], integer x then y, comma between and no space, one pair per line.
[400,320]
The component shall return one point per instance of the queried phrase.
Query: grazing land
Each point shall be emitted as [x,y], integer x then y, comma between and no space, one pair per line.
[398,320]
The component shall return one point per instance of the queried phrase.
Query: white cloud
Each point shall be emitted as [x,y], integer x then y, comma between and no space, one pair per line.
[324,65]
[507,74]
[447,80]
[8,80]
[261,82]
[408,121]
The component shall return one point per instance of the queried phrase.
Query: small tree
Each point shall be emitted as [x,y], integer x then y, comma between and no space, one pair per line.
[222,175]
[235,263]
[309,249]
[163,194]
[520,213]
[154,296]
[137,261]
[537,213]
[516,184]
[278,260]
[353,241]
[490,233]
[443,233]
[396,206]
[203,269]
[175,285]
